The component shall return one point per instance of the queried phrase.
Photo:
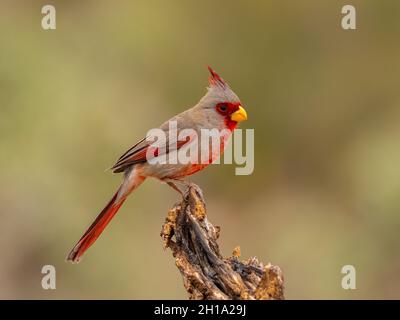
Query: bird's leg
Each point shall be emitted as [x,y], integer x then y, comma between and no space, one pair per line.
[173,183]
[188,184]
[174,186]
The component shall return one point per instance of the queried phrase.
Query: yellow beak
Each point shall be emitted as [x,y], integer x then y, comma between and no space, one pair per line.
[239,115]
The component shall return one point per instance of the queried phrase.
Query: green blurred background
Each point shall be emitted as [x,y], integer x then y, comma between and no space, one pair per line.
[324,103]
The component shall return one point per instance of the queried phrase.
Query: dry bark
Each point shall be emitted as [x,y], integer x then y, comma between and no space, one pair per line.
[206,273]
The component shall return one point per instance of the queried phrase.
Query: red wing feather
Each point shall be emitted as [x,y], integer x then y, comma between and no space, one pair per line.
[138,153]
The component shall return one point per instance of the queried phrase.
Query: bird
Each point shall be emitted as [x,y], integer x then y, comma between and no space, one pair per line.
[220,108]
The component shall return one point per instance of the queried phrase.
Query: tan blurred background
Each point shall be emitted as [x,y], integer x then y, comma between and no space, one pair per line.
[324,103]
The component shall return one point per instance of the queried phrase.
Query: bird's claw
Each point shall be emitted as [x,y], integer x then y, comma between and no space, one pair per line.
[188,187]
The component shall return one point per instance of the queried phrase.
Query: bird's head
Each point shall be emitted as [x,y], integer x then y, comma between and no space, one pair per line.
[221,104]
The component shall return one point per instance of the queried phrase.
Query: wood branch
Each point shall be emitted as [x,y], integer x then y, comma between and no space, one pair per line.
[206,274]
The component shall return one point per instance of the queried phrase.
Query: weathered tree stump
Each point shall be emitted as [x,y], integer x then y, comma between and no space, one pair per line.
[206,273]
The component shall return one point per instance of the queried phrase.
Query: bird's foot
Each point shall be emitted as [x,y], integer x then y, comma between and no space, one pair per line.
[187,185]
[197,189]
[173,185]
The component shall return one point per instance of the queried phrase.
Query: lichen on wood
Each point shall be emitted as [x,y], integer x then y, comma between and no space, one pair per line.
[207,275]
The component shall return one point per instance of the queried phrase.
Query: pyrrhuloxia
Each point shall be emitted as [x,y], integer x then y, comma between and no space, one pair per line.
[219,109]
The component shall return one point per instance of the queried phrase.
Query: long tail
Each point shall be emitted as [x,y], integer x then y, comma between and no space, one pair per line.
[102,220]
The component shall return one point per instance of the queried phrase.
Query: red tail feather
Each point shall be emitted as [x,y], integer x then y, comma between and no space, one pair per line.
[96,228]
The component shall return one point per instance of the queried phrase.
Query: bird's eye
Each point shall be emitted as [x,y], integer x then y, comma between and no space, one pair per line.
[223,108]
